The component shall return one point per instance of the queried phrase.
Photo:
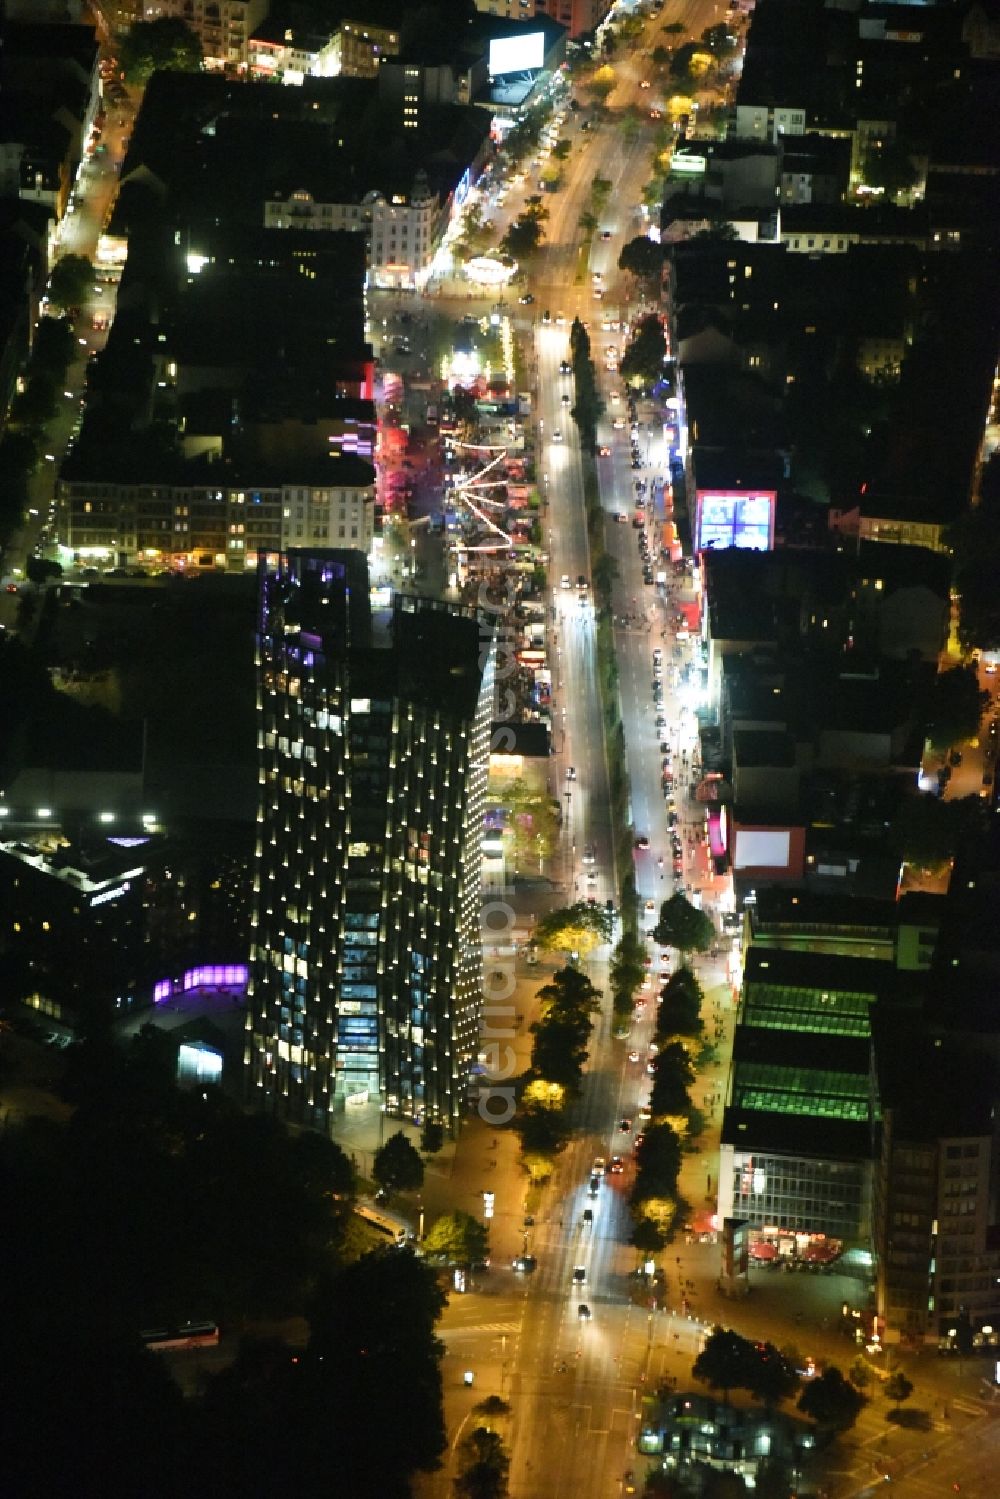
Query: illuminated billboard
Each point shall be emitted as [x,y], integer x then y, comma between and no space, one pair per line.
[735,518]
[517,54]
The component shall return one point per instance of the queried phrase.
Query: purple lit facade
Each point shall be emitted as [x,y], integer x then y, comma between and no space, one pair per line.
[209,976]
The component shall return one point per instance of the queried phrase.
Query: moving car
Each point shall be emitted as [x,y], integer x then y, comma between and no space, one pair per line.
[580,1275]
[525,1263]
[598,1167]
[583,1312]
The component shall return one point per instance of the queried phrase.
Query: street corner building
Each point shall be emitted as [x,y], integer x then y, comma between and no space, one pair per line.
[373,742]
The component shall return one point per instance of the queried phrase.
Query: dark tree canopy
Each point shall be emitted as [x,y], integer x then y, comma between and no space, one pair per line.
[831,1400]
[673,1074]
[641,256]
[679,1012]
[646,352]
[659,1164]
[72,281]
[397,1166]
[683,926]
[165,45]
[955,707]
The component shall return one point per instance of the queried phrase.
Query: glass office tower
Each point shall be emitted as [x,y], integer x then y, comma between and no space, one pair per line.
[366,965]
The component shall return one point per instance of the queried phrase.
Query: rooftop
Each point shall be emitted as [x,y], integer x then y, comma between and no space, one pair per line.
[824,973]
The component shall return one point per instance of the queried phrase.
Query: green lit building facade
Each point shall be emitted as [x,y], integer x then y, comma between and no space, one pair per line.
[796,1151]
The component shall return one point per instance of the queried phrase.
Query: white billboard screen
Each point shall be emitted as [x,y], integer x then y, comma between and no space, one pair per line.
[517,54]
[761,850]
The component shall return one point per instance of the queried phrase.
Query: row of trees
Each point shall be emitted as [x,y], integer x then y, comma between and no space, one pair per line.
[679,1027]
[645,354]
[32,409]
[977,563]
[588,407]
[628,970]
[558,1056]
[731,1362]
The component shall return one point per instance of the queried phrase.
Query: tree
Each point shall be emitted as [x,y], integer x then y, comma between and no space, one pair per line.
[647,1234]
[604,574]
[458,1238]
[641,257]
[690,62]
[36,404]
[561,149]
[955,707]
[563,1029]
[397,1166]
[646,352]
[772,1378]
[166,45]
[19,455]
[719,40]
[72,281]
[928,832]
[485,1466]
[832,1401]
[628,966]
[660,56]
[533,820]
[568,992]
[601,83]
[861,1374]
[658,1164]
[560,1049]
[683,926]
[679,1012]
[578,928]
[600,189]
[724,1361]
[54,347]
[373,1348]
[977,560]
[543,1131]
[431,1137]
[673,1074]
[522,238]
[898,1388]
[40,570]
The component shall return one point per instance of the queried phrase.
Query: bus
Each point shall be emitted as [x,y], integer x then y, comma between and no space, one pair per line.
[391,1228]
[188,1335]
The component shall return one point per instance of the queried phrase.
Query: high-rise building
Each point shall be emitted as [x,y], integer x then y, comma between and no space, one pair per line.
[366,967]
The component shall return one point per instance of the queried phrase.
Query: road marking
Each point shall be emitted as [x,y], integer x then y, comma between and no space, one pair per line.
[969,1407]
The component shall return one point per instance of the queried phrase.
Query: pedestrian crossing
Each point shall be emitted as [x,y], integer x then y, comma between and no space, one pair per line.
[478,1328]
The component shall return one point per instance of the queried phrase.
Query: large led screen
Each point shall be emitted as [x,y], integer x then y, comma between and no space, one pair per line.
[762,850]
[517,54]
[736,518]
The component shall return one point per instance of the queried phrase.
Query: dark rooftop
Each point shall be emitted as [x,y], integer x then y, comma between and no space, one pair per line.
[818,971]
